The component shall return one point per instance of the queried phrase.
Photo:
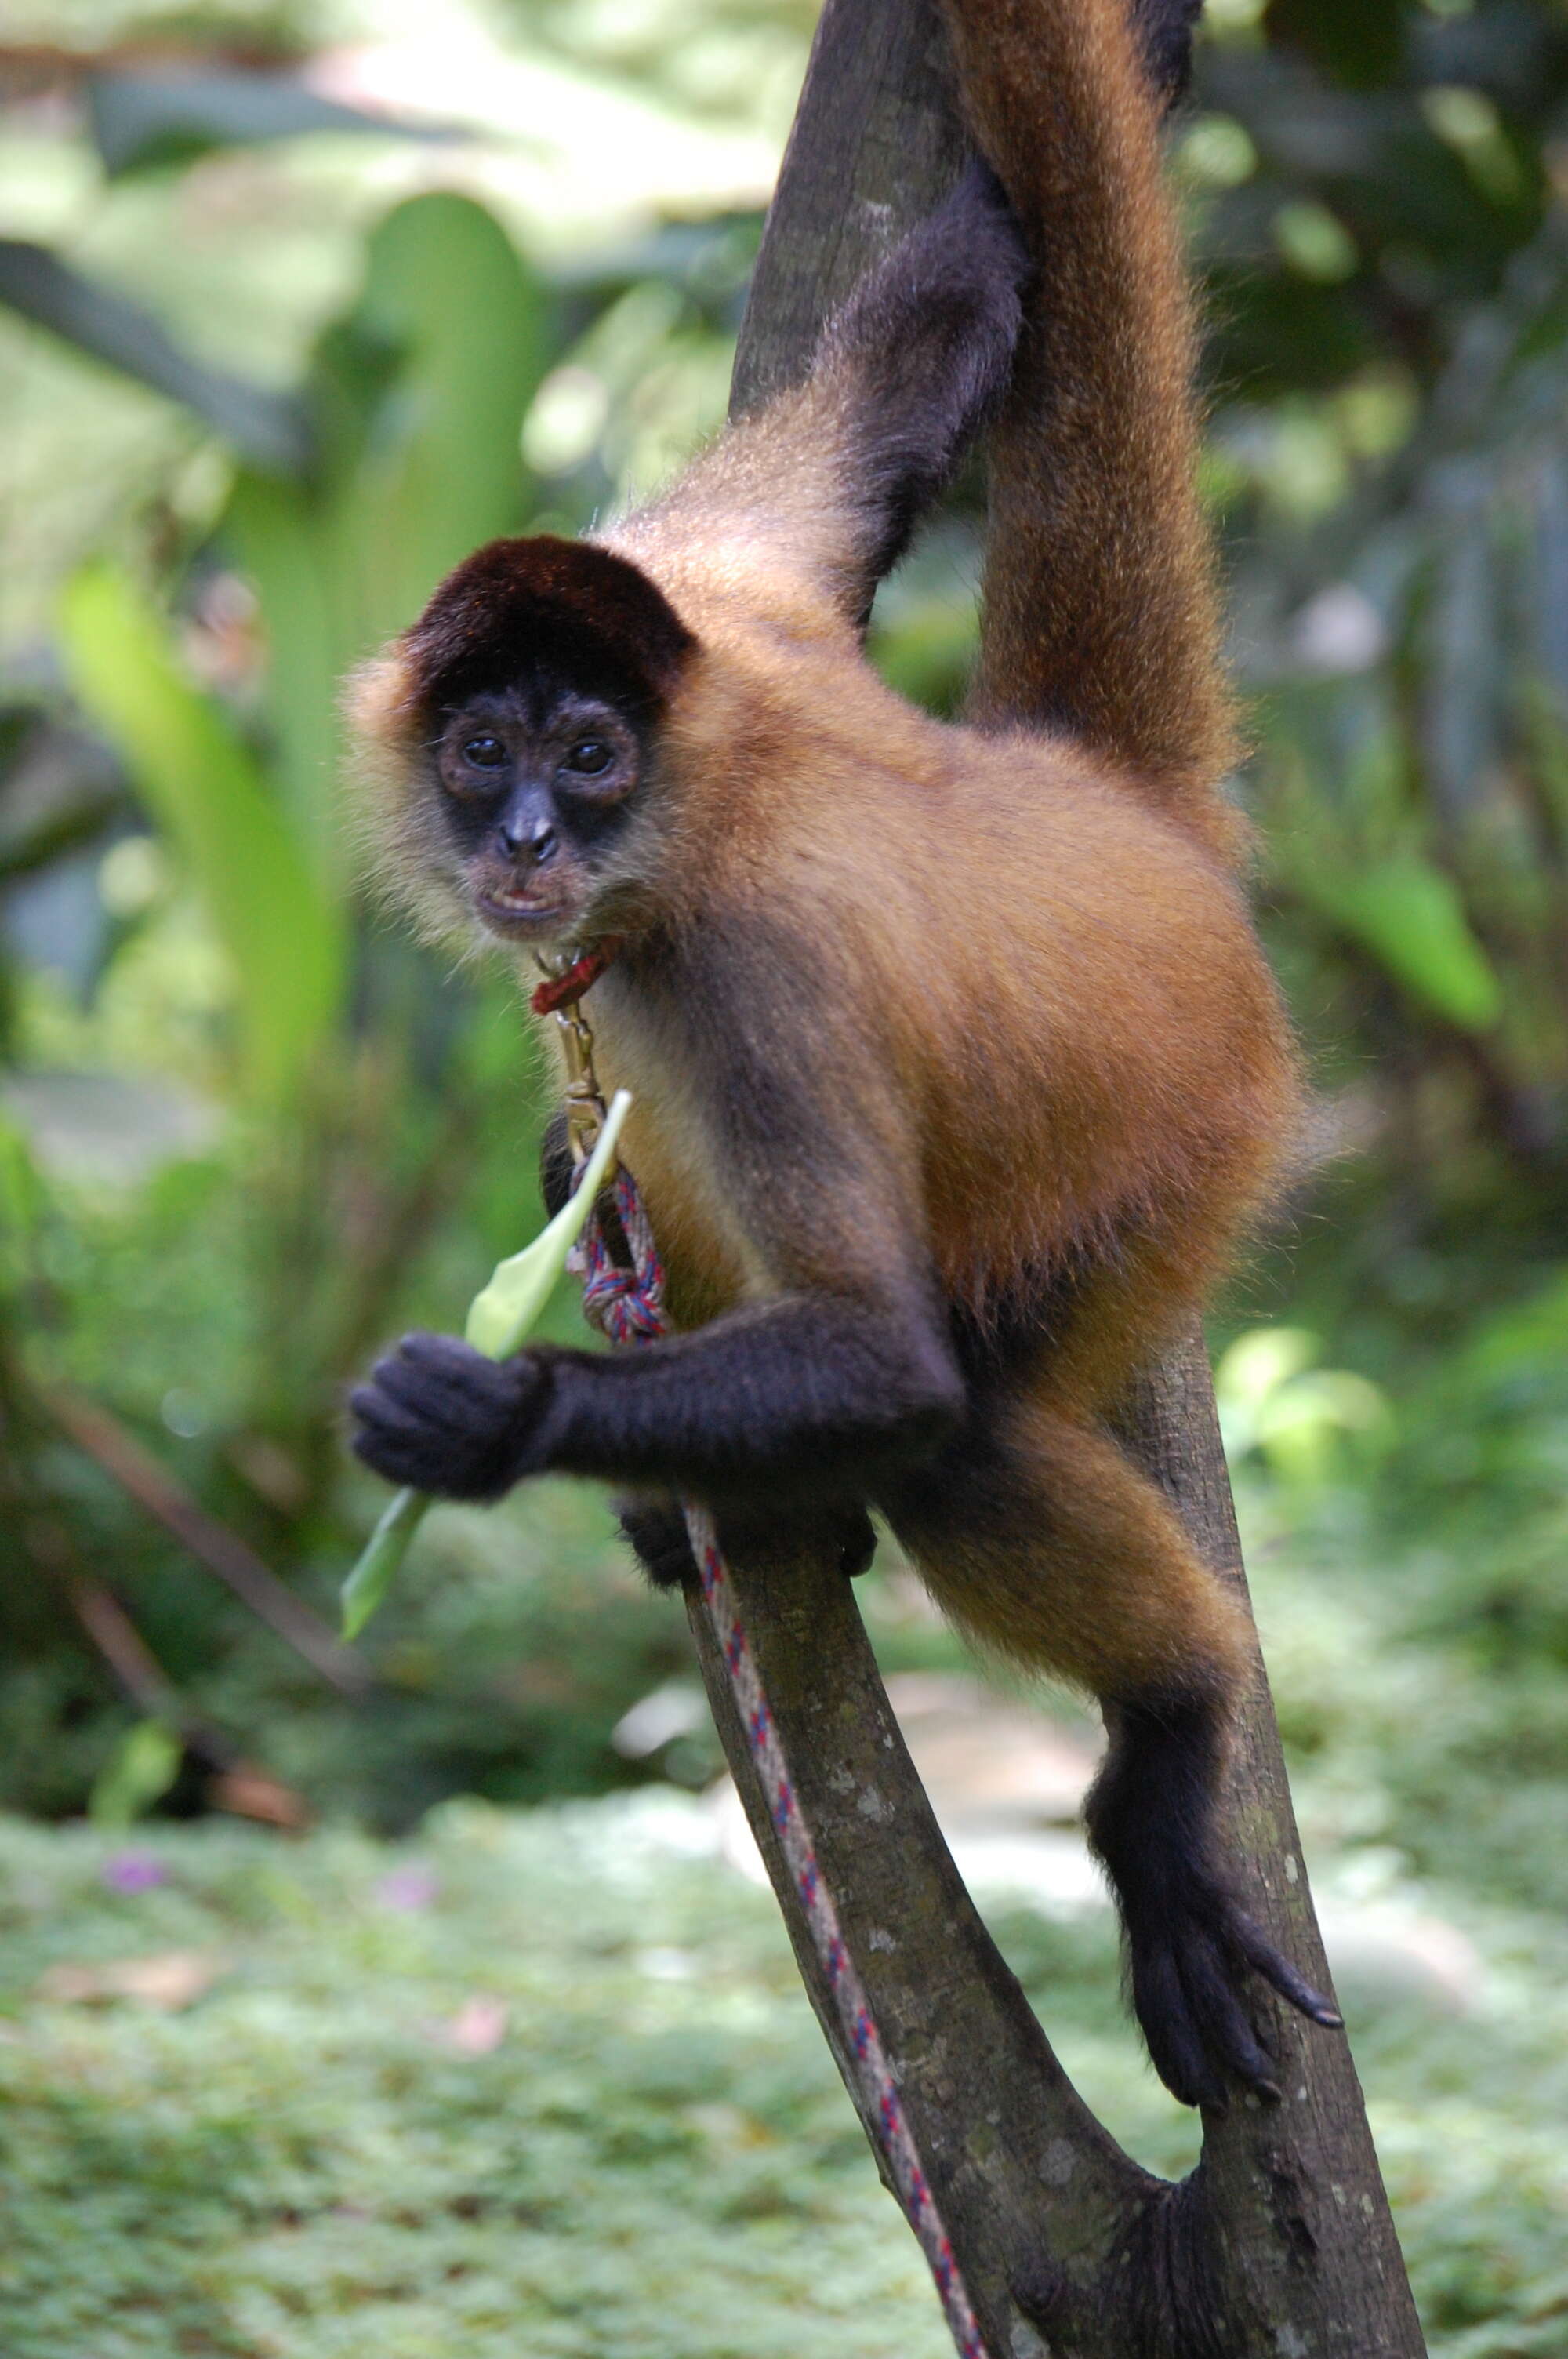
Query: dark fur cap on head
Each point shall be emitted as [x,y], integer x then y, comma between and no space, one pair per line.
[516,602]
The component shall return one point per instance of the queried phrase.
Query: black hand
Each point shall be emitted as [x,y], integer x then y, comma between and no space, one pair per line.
[440,1416]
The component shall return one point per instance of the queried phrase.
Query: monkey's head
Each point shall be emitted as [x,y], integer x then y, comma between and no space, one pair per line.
[512,729]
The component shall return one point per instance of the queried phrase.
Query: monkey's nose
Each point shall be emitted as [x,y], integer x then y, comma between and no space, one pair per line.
[535,841]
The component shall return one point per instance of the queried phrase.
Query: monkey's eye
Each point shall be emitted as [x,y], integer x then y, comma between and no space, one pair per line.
[484,753]
[590,756]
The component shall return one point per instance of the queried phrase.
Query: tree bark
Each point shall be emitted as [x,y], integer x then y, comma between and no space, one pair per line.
[1280,2242]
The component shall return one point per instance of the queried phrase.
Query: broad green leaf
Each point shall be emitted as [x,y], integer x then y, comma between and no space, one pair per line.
[1411,917]
[200,783]
[440,469]
[501,1317]
[269,428]
[1303,1427]
[276,538]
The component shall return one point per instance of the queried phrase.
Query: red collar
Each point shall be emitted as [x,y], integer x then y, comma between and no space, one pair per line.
[558,991]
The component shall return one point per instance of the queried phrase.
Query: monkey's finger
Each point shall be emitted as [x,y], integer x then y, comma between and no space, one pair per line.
[423,1349]
[385,1402]
[372,1406]
[1278,1972]
[380,1409]
[1217,2006]
[441,1367]
[395,1456]
[480,1391]
[425,1458]
[481,1404]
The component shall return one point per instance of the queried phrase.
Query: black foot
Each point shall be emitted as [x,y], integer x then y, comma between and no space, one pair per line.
[1191,1948]
[656,1529]
[1189,1974]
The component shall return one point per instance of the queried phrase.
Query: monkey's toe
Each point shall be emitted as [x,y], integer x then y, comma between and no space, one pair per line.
[1277,1970]
[1189,1981]
[1165,2017]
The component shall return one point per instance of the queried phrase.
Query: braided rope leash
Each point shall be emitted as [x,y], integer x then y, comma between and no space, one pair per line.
[627,1305]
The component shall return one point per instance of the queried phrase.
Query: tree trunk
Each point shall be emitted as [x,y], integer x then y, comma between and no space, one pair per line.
[1280,2242]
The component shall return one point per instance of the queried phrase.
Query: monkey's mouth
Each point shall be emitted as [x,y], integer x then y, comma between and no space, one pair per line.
[513,909]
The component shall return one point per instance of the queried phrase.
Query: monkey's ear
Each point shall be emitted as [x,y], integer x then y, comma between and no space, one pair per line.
[592,615]
[381,702]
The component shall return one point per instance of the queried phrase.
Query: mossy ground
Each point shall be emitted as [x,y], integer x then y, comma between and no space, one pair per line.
[544,2083]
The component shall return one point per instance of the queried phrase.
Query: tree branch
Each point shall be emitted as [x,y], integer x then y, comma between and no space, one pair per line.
[1280,2242]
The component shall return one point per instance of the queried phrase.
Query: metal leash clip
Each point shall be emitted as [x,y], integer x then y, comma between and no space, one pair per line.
[584,1098]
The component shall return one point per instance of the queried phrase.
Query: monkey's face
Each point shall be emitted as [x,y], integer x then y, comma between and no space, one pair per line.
[533,781]
[505,745]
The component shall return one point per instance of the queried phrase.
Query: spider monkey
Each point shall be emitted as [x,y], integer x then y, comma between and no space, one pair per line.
[958,1067]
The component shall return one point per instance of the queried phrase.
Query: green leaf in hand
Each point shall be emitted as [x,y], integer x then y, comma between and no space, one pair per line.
[499,1320]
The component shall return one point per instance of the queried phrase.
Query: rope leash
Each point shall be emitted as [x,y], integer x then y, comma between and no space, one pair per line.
[627,1305]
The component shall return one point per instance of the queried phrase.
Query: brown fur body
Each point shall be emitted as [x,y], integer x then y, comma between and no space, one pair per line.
[958,1071]
[1040,1014]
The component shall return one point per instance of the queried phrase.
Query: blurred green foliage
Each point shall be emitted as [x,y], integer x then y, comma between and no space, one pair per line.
[303,304]
[255,1130]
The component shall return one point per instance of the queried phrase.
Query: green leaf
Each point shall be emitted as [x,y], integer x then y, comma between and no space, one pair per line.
[373,1574]
[508,1308]
[271,430]
[277,538]
[1410,915]
[501,1317]
[440,469]
[200,783]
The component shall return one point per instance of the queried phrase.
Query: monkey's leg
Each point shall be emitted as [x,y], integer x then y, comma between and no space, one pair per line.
[1042,1539]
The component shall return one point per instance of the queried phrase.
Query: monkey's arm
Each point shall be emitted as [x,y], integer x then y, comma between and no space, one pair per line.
[652,1522]
[817,1396]
[655,1530]
[915,362]
[827,482]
